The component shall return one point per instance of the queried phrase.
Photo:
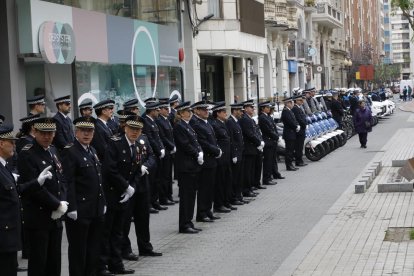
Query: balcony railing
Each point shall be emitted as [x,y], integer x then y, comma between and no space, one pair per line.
[276,14]
[328,16]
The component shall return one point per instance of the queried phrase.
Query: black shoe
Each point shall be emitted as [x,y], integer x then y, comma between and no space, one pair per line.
[151,254]
[279,177]
[364,146]
[105,272]
[292,169]
[301,164]
[198,229]
[123,271]
[130,257]
[245,201]
[173,200]
[188,230]
[249,194]
[237,202]
[205,219]
[153,211]
[167,202]
[213,217]
[159,207]
[254,188]
[228,206]
[21,269]
[261,187]
[222,209]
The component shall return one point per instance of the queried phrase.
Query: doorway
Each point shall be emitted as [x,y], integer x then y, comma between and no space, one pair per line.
[212,78]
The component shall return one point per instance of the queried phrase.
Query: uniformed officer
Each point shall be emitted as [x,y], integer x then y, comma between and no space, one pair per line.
[85,109]
[43,210]
[131,106]
[150,100]
[270,137]
[26,134]
[237,147]
[122,171]
[37,105]
[122,115]
[290,128]
[152,131]
[252,144]
[275,172]
[174,102]
[167,138]
[300,135]
[308,102]
[223,190]
[337,109]
[64,129]
[139,203]
[208,143]
[10,233]
[85,217]
[189,158]
[102,134]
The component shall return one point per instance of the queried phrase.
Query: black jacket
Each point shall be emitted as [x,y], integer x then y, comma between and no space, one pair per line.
[83,175]
[166,133]
[64,131]
[101,138]
[23,141]
[223,140]
[38,206]
[236,138]
[148,160]
[300,117]
[289,124]
[337,110]
[171,117]
[269,131]
[153,133]
[187,148]
[250,137]
[207,140]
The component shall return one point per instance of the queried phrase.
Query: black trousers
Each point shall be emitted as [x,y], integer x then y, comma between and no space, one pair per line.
[8,263]
[300,140]
[154,180]
[44,254]
[111,243]
[269,159]
[258,165]
[187,184]
[205,195]
[165,178]
[290,148]
[275,168]
[248,172]
[139,209]
[84,238]
[236,180]
[223,187]
[363,138]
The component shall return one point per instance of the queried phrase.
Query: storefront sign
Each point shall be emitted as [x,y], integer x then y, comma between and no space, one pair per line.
[57,42]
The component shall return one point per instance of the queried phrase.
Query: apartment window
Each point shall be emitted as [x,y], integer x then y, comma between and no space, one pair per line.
[386,33]
[214,7]
[386,20]
[406,65]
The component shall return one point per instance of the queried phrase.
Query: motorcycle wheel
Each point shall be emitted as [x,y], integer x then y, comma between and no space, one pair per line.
[326,147]
[336,141]
[348,130]
[344,139]
[315,154]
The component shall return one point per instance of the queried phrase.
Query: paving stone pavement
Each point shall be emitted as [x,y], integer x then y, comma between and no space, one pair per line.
[257,238]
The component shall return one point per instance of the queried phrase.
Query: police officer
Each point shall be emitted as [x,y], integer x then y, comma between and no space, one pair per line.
[85,109]
[85,217]
[37,105]
[122,170]
[64,130]
[315,101]
[26,134]
[167,138]
[223,190]
[252,144]
[270,137]
[152,131]
[10,238]
[189,158]
[131,106]
[174,102]
[290,128]
[237,146]
[102,134]
[300,117]
[336,109]
[43,210]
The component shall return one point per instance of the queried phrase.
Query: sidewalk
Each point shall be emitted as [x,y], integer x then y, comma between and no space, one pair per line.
[349,239]
[407,106]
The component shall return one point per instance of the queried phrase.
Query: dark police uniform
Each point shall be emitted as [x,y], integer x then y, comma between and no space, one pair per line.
[113,125]
[101,138]
[300,117]
[289,134]
[188,171]
[237,146]
[64,131]
[23,141]
[258,163]
[270,137]
[44,234]
[337,111]
[121,169]
[85,196]
[208,142]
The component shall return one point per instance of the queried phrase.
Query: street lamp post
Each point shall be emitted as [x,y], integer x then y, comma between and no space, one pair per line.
[346,66]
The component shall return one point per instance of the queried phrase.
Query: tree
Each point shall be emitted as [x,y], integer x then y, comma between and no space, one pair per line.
[385,73]
[406,7]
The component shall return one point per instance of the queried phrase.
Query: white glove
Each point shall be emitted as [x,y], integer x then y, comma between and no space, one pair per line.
[144,170]
[162,153]
[262,144]
[234,160]
[129,192]
[60,211]
[220,154]
[297,128]
[200,158]
[45,174]
[72,215]
[174,150]
[16,176]
[104,210]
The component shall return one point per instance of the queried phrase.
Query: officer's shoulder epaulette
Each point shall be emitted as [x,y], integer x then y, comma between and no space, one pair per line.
[68,146]
[27,146]
[115,138]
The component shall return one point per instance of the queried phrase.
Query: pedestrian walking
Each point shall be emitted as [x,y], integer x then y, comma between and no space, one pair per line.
[362,123]
[405,91]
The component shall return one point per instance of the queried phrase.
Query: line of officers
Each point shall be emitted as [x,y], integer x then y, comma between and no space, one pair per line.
[98,174]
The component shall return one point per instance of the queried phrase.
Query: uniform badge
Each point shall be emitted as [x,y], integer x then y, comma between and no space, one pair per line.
[43,162]
[84,158]
[123,151]
[141,142]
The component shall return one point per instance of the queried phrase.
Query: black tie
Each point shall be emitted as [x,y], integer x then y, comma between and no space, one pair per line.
[133,152]
[91,153]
